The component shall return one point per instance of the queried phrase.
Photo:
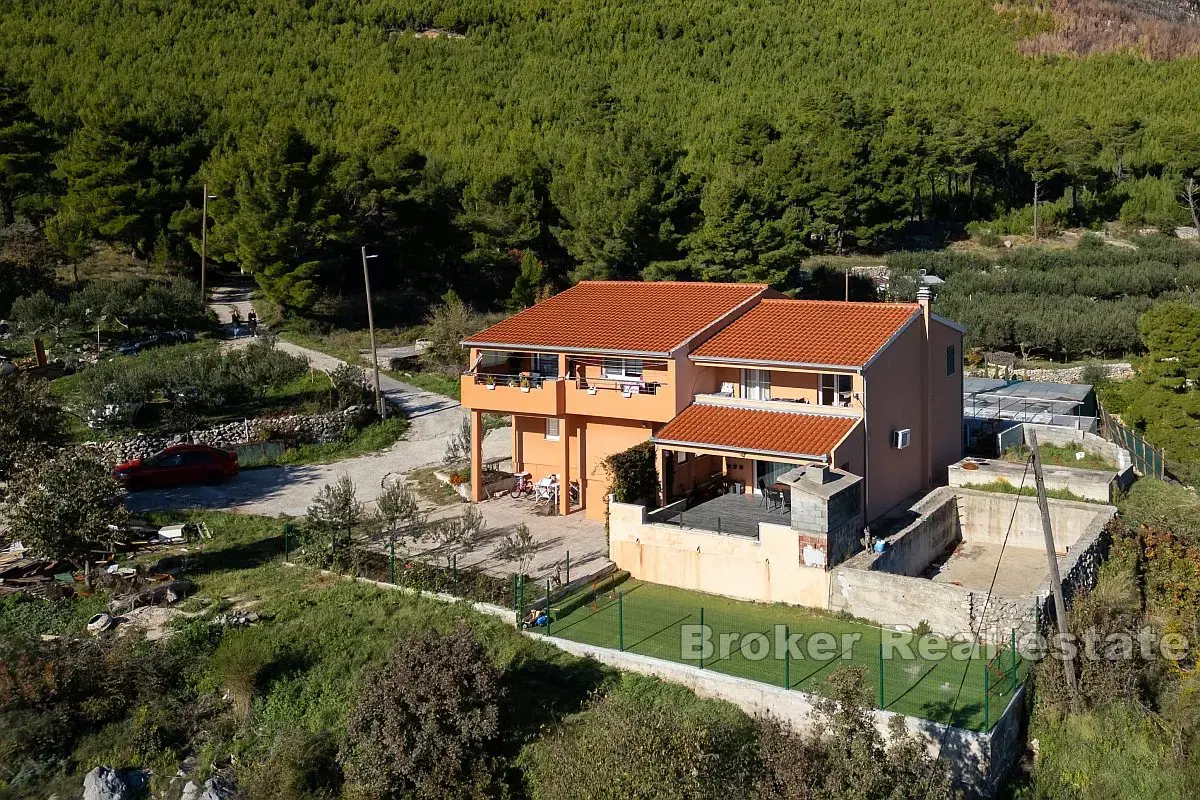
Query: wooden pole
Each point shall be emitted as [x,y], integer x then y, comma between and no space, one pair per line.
[1060,605]
[203,241]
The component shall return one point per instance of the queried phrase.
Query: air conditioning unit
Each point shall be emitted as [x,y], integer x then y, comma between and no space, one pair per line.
[901,438]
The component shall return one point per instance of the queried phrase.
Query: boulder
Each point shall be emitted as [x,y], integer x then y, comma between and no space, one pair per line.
[106,783]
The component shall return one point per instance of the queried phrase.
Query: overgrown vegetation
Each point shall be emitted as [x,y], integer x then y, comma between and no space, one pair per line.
[633,474]
[1134,732]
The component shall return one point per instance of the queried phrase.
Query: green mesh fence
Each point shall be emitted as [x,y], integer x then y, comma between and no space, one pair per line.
[796,648]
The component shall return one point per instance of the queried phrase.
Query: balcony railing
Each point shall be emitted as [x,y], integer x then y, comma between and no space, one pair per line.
[627,386]
[514,381]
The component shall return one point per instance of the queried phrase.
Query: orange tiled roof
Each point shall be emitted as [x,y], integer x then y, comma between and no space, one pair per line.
[629,316]
[754,430]
[810,332]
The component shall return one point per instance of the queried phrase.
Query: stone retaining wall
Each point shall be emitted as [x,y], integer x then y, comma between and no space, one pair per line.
[304,428]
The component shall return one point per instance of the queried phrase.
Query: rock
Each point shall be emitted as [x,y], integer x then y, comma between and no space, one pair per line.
[215,788]
[105,783]
[167,592]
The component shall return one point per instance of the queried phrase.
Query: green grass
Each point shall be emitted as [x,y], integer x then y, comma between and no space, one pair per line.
[1004,487]
[436,382]
[371,439]
[651,617]
[1059,456]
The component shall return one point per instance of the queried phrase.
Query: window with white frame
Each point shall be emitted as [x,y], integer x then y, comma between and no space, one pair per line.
[622,368]
[552,429]
[835,390]
[756,384]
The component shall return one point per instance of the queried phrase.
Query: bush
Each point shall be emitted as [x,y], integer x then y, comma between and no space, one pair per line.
[301,765]
[645,739]
[351,386]
[426,724]
[237,665]
[634,474]
[449,324]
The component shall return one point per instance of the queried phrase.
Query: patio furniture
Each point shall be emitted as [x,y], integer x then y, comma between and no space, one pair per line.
[774,499]
[762,490]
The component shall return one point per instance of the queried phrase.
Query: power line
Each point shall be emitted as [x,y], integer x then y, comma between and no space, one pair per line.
[982,618]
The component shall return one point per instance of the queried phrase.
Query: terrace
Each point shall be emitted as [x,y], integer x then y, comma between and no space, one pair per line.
[731,514]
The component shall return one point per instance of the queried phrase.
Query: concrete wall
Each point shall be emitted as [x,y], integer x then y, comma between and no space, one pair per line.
[984,517]
[916,546]
[1099,485]
[1088,442]
[769,569]
[881,586]
[977,761]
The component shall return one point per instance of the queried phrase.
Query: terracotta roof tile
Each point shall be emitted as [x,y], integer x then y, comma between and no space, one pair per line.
[810,332]
[649,317]
[754,430]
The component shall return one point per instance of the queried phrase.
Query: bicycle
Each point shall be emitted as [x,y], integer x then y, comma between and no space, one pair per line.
[523,486]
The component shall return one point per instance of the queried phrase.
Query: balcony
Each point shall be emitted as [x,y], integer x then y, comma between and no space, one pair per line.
[513,394]
[844,408]
[621,398]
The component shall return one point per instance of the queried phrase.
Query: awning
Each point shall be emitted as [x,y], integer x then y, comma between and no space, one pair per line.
[780,434]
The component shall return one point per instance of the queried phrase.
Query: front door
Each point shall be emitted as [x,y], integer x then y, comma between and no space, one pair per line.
[756,384]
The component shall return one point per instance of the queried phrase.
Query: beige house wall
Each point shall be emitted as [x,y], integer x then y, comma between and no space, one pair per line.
[768,570]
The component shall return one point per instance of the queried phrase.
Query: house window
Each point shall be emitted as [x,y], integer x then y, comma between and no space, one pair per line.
[493,358]
[623,368]
[552,429]
[767,473]
[756,384]
[546,365]
[835,390]
[951,362]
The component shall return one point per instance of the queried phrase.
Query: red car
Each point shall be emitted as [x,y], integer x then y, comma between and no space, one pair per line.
[177,466]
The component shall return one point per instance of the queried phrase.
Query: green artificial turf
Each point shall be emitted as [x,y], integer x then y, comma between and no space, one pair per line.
[649,620]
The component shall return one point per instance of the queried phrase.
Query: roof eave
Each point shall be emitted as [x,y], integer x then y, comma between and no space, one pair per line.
[543,348]
[949,323]
[755,362]
[748,450]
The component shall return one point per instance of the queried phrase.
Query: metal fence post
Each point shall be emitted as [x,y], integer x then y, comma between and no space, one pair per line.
[568,567]
[701,630]
[881,698]
[285,542]
[392,561]
[787,658]
[454,568]
[547,609]
[1013,659]
[987,694]
[620,620]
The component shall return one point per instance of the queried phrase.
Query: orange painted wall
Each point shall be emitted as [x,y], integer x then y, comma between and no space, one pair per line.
[850,455]
[598,438]
[893,401]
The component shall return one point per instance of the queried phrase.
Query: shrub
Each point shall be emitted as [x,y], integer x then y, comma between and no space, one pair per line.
[645,739]
[351,386]
[427,722]
[634,474]
[331,520]
[448,325]
[237,664]
[849,757]
[301,765]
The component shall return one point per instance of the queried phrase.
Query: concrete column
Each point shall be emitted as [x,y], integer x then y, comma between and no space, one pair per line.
[518,457]
[564,478]
[663,490]
[476,455]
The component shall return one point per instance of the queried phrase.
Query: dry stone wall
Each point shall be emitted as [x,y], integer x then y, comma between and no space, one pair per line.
[302,428]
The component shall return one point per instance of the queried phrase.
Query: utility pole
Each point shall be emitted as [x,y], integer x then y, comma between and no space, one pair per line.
[1060,605]
[847,284]
[380,406]
[204,198]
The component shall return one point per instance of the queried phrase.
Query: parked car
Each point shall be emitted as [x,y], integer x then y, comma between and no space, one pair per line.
[178,466]
[161,339]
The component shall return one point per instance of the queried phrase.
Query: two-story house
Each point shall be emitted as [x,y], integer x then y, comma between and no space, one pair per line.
[728,380]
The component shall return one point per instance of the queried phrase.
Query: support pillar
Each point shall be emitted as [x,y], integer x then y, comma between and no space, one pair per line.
[476,455]
[664,490]
[564,480]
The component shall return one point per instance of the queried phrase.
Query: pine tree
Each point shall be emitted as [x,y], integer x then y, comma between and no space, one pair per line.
[26,148]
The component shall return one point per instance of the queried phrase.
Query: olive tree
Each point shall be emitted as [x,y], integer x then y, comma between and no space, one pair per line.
[64,507]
